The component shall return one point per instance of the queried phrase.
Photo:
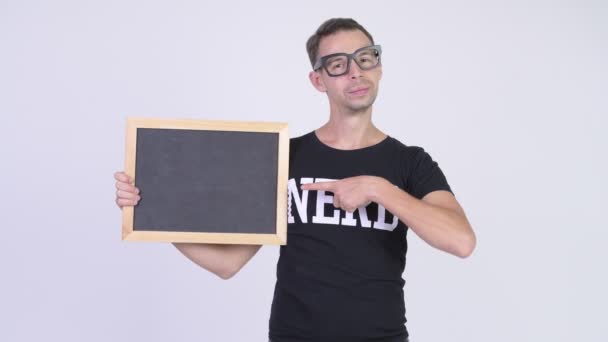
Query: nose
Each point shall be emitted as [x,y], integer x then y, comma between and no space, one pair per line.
[354,71]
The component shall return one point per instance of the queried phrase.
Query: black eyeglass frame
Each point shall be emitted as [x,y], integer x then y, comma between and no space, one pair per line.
[349,56]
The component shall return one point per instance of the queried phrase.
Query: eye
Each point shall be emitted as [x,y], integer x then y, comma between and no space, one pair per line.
[335,64]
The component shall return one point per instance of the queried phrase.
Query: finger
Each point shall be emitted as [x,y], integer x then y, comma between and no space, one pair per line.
[346,205]
[324,186]
[123,177]
[127,195]
[121,202]
[127,187]
[125,202]
[337,202]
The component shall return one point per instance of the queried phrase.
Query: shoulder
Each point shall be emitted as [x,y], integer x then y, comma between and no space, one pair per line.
[298,139]
[409,153]
[296,142]
[421,173]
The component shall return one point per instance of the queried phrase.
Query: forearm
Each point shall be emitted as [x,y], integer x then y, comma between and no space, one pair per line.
[221,259]
[444,228]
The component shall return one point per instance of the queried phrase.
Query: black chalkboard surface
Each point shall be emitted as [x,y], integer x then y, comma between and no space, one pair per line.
[207,181]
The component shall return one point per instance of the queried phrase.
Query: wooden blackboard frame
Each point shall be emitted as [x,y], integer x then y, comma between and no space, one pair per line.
[278,238]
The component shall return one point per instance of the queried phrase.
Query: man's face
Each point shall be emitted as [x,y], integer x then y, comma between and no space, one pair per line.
[355,91]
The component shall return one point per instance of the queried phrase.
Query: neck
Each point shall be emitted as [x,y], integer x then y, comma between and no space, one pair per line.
[350,130]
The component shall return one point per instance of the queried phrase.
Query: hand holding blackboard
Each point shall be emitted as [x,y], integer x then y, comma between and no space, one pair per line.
[127,194]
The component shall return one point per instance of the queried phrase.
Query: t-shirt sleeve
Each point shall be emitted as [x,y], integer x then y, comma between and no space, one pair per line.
[425,176]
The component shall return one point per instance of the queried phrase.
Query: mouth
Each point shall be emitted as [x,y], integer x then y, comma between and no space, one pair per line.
[359,91]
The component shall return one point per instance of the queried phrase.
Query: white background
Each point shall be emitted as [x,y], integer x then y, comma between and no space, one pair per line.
[510,97]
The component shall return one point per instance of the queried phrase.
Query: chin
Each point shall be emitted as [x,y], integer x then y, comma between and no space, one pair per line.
[358,109]
[361,106]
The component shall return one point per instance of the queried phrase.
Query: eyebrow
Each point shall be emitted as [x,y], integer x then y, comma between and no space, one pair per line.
[346,53]
[331,58]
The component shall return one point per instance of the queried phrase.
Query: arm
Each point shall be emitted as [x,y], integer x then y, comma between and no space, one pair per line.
[438,218]
[223,260]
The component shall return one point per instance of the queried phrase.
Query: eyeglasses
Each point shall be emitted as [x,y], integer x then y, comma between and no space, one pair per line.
[338,64]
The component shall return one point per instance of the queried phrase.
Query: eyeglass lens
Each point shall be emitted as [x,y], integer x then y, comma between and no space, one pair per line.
[365,59]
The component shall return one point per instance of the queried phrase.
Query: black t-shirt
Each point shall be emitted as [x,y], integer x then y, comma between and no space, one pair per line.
[339,278]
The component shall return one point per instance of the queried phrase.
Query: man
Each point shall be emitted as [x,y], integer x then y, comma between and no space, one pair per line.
[339,276]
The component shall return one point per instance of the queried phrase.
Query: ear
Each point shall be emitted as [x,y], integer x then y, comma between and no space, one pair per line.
[317,81]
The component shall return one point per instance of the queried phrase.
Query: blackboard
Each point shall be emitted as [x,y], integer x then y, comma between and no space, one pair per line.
[207,181]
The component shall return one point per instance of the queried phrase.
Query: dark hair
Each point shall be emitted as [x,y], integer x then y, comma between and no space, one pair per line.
[330,27]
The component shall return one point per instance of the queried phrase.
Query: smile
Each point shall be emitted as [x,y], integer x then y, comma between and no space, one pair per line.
[358,92]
